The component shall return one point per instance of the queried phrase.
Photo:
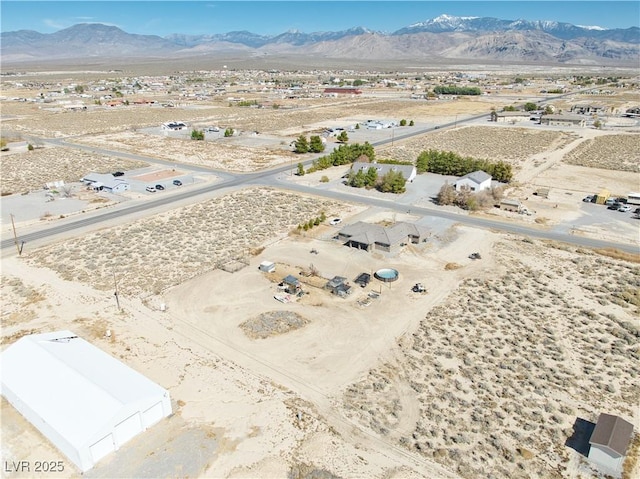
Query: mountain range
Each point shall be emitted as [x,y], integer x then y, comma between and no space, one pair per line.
[445,37]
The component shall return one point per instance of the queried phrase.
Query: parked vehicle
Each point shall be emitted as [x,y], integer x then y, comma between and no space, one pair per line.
[159,187]
[475,256]
[118,173]
[624,208]
[150,189]
[335,221]
[588,199]
[609,201]
[418,288]
[614,206]
[177,182]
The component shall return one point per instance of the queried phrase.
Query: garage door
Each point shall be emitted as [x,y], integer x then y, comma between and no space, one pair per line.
[101,448]
[153,414]
[128,428]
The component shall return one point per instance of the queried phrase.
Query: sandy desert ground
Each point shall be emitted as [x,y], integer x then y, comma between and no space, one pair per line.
[481,376]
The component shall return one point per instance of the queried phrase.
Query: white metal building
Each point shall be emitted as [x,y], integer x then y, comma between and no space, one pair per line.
[86,402]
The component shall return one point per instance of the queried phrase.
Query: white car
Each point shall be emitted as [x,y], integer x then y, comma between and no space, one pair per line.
[624,208]
[335,221]
[150,189]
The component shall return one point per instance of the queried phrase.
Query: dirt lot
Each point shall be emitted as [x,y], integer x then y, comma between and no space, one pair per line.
[481,376]
[356,375]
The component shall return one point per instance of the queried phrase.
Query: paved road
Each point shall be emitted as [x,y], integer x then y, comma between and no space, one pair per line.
[270,178]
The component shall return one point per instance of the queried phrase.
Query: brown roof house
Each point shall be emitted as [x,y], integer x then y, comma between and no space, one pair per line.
[609,442]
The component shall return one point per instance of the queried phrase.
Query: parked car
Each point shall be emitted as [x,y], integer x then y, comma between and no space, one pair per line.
[588,199]
[213,129]
[177,182]
[610,201]
[335,221]
[624,208]
[118,173]
[150,189]
[614,206]
[159,187]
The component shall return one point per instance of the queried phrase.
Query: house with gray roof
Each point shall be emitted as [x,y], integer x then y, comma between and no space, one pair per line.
[368,236]
[476,181]
[609,442]
[563,120]
[106,182]
[408,171]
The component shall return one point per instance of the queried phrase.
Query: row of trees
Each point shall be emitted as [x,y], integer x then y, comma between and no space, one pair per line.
[343,155]
[457,90]
[313,144]
[313,222]
[391,182]
[450,163]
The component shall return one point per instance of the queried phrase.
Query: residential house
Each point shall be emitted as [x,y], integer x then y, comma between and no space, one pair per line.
[106,182]
[476,181]
[368,236]
[609,442]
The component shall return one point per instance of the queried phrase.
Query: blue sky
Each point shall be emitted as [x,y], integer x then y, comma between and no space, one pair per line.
[273,17]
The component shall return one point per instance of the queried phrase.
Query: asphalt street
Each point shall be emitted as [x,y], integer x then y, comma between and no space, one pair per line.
[271,178]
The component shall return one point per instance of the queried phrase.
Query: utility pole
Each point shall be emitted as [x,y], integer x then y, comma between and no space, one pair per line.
[115,283]
[15,236]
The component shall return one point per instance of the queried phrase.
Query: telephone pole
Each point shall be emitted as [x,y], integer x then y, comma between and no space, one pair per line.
[15,236]
[115,284]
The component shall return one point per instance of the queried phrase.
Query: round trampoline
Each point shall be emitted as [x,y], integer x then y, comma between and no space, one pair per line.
[386,275]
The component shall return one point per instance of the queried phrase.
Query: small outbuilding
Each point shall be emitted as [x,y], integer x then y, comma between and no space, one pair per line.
[339,286]
[508,204]
[292,284]
[267,266]
[85,401]
[609,442]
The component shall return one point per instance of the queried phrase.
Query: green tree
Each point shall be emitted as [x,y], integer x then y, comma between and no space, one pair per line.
[509,108]
[228,132]
[403,122]
[30,147]
[371,177]
[301,145]
[79,89]
[357,127]
[315,144]
[357,180]
[343,137]
[422,163]
[548,110]
[530,106]
[392,182]
[411,123]
[197,134]
[300,169]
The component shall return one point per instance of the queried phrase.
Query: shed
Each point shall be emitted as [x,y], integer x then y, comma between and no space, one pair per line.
[267,266]
[510,205]
[609,442]
[338,285]
[85,401]
[292,284]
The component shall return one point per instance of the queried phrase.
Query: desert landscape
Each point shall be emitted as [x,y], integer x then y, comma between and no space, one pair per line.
[483,374]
